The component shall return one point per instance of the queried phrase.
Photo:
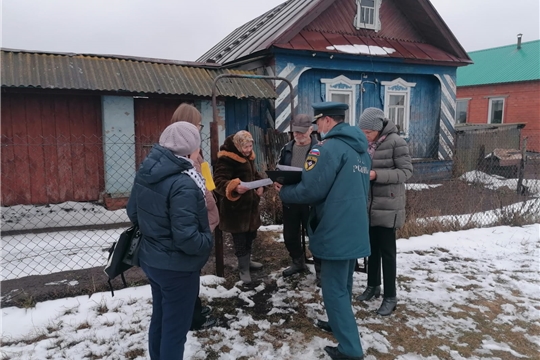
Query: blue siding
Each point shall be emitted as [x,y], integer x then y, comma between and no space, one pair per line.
[425,102]
[241,112]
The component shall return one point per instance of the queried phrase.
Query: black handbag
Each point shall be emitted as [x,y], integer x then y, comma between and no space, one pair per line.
[123,255]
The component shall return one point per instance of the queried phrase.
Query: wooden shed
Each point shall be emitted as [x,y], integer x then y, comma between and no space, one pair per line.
[74,127]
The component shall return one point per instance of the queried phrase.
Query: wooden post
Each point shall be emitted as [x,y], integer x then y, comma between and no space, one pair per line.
[521,171]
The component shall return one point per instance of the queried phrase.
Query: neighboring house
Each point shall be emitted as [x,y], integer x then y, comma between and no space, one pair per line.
[74,127]
[503,87]
[397,55]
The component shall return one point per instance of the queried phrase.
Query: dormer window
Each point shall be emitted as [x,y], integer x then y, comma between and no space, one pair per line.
[367,14]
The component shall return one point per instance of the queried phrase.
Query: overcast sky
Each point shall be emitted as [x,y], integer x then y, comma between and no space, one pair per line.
[185,29]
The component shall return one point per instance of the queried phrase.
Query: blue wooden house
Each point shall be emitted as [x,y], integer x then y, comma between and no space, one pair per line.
[396,55]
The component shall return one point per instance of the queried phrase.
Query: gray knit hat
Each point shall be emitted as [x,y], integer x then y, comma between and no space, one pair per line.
[182,138]
[372,119]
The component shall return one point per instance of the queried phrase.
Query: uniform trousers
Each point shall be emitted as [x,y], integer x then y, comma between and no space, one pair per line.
[173,300]
[383,247]
[336,284]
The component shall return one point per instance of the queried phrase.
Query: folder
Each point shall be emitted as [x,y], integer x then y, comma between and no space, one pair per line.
[285,177]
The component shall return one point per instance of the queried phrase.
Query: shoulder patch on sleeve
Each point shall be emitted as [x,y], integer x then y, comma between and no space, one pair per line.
[310,163]
[315,152]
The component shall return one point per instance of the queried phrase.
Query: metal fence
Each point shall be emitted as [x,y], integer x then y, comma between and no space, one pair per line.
[485,183]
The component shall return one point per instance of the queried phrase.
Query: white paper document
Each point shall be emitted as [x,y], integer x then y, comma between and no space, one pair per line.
[288,168]
[257,183]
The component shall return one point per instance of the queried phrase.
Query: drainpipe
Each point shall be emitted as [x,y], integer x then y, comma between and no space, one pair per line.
[519,41]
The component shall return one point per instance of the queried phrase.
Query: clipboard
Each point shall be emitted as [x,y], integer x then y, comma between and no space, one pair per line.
[285,177]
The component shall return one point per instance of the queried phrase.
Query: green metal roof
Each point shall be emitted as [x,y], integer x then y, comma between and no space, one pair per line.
[502,65]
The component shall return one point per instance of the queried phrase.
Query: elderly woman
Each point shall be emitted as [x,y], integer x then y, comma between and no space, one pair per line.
[168,203]
[391,167]
[239,206]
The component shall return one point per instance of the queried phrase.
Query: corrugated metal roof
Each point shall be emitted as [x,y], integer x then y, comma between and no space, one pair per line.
[502,65]
[259,33]
[107,73]
[415,30]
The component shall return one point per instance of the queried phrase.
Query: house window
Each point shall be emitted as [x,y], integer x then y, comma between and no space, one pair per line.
[367,14]
[496,111]
[462,106]
[397,103]
[343,89]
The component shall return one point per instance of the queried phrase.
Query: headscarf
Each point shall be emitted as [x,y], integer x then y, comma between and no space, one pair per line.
[242,138]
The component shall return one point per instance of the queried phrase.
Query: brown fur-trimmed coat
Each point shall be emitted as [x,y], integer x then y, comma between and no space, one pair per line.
[238,213]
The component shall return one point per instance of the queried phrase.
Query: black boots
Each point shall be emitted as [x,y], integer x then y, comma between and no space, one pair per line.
[388,305]
[369,293]
[324,325]
[335,354]
[298,266]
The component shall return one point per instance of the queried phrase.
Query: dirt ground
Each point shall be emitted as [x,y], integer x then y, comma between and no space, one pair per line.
[452,197]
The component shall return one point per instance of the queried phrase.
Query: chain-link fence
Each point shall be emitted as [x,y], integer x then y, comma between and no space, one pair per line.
[62,201]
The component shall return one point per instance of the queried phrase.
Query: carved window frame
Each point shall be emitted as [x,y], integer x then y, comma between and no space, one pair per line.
[398,87]
[346,86]
[374,11]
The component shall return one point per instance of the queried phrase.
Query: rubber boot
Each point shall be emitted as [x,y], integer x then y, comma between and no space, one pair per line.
[243,268]
[369,293]
[298,265]
[253,265]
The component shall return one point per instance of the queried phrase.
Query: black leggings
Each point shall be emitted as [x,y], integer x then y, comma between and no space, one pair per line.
[243,242]
[383,247]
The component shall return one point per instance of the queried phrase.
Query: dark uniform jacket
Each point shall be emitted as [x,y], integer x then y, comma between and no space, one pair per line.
[237,213]
[171,213]
[335,181]
[392,163]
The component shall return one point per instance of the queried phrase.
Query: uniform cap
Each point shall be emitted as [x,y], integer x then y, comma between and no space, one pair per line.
[328,108]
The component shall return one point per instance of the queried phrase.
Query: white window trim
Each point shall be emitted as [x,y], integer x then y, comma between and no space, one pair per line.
[491,99]
[376,19]
[399,87]
[343,85]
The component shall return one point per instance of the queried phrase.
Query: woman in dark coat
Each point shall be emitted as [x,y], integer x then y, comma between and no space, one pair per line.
[168,203]
[238,205]
[391,167]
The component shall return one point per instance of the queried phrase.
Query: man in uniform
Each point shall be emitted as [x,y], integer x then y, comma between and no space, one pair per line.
[335,182]
[294,153]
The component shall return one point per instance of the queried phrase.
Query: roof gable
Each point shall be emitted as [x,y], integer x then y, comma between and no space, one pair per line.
[411,28]
[502,65]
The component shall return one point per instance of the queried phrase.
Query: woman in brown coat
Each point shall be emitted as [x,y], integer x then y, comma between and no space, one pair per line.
[238,205]
[190,114]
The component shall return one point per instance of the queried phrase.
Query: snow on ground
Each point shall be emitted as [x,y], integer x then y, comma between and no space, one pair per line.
[495,182]
[24,217]
[418,187]
[438,275]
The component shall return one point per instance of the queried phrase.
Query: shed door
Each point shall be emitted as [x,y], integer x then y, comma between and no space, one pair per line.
[51,148]
[152,116]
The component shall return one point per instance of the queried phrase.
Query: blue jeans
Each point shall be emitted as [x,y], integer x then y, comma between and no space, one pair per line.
[173,301]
